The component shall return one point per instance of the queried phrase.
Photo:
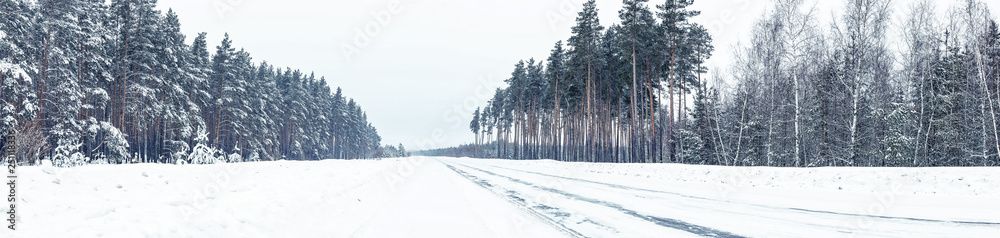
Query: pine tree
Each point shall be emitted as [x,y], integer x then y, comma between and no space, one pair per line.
[474,125]
[339,116]
[64,102]
[584,61]
[200,94]
[18,102]
[673,18]
[555,72]
[639,40]
[174,125]
[223,75]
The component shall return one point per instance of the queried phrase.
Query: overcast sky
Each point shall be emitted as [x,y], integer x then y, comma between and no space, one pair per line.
[419,68]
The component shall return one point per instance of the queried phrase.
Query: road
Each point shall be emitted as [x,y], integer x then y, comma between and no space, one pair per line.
[423,198]
[591,208]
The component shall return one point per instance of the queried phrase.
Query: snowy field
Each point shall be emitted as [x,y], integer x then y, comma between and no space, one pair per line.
[451,197]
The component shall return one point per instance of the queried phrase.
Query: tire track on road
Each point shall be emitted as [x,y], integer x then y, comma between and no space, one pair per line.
[661,221]
[513,198]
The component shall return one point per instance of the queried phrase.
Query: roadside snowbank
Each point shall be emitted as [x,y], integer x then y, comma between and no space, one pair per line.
[264,199]
[956,181]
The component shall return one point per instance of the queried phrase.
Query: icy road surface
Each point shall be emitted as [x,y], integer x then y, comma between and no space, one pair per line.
[451,197]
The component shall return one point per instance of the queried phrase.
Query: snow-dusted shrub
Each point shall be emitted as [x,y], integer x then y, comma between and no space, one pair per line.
[99,158]
[234,158]
[135,159]
[202,154]
[112,146]
[67,154]
[31,142]
[99,161]
[117,146]
[72,160]
[179,150]
[692,147]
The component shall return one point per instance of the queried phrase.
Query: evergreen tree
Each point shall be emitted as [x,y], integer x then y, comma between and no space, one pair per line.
[63,104]
[555,71]
[18,102]
[945,104]
[340,129]
[474,125]
[223,81]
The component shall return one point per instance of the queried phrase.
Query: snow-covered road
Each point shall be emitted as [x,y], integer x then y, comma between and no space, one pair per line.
[453,197]
[620,207]
[428,200]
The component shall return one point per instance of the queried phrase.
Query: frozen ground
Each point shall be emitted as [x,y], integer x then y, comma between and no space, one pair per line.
[449,197]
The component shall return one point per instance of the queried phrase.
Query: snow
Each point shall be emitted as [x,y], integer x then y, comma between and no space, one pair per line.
[15,70]
[759,201]
[452,197]
[330,198]
[959,181]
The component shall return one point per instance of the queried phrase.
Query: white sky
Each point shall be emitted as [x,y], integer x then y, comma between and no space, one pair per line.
[425,68]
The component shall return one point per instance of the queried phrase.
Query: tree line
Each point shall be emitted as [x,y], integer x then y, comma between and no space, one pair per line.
[847,96]
[797,94]
[606,94]
[88,81]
